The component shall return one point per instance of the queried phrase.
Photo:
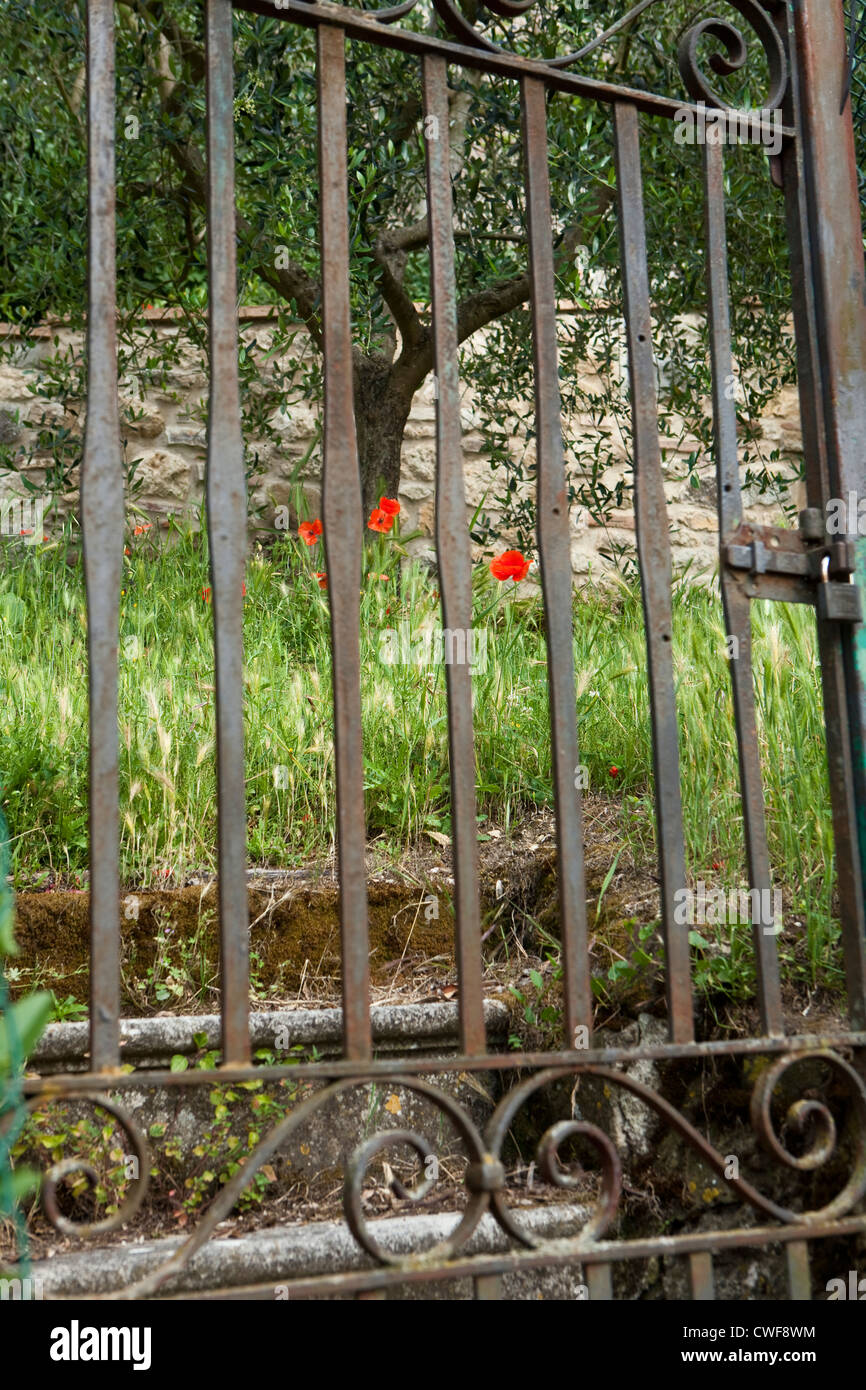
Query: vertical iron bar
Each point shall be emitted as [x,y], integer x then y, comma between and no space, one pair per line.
[836,270]
[226,519]
[654,552]
[816,476]
[735,601]
[554,548]
[701,1277]
[599,1282]
[454,558]
[819,491]
[102,525]
[342,519]
[799,1279]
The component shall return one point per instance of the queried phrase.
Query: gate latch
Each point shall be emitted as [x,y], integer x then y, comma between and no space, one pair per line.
[825,563]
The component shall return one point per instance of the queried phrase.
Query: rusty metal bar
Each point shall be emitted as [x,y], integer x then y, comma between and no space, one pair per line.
[735,600]
[818,488]
[701,1277]
[799,1279]
[102,479]
[488,1287]
[654,552]
[599,1279]
[453,554]
[64,1083]
[226,516]
[554,549]
[815,472]
[342,518]
[836,270]
[554,1257]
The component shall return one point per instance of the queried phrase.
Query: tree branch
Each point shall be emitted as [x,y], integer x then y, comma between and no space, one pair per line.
[389,252]
[484,306]
[72,105]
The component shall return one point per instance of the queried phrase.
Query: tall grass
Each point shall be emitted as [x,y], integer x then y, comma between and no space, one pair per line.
[166,715]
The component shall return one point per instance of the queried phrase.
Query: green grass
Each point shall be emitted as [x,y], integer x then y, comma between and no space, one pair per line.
[166,717]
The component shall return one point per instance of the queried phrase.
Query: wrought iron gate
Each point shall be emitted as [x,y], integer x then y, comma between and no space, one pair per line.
[805,47]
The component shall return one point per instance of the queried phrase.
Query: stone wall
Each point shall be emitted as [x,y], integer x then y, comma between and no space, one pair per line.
[164,433]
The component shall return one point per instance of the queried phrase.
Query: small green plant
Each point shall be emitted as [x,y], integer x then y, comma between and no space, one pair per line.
[538,1011]
[64,1010]
[242,1113]
[180,973]
[184,1178]
[725,966]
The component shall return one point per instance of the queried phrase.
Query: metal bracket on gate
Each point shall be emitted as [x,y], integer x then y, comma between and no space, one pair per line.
[804,566]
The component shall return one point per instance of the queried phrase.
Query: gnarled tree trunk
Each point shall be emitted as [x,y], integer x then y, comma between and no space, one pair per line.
[381,412]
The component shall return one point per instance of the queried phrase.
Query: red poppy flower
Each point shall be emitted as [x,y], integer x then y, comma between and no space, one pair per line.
[380,520]
[322,578]
[309,531]
[140,530]
[511,564]
[205,593]
[614,771]
[125,548]
[389,505]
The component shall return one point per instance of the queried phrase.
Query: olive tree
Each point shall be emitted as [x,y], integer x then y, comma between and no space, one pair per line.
[162,223]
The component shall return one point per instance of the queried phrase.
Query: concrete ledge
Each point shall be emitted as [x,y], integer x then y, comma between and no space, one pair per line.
[281,1254]
[403,1028]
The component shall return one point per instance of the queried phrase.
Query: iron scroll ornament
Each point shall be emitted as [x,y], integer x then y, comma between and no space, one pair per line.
[756,13]
[139,1182]
[801,1116]
[485,1177]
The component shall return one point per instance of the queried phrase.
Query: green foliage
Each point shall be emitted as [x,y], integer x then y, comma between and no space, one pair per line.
[21,1025]
[183,1179]
[162,243]
[179,975]
[539,1011]
[67,1010]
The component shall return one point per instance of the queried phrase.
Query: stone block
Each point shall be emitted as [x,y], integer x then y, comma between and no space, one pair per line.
[140,418]
[164,475]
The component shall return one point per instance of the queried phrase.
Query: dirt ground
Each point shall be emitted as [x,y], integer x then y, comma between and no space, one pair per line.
[170,936]
[170,939]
